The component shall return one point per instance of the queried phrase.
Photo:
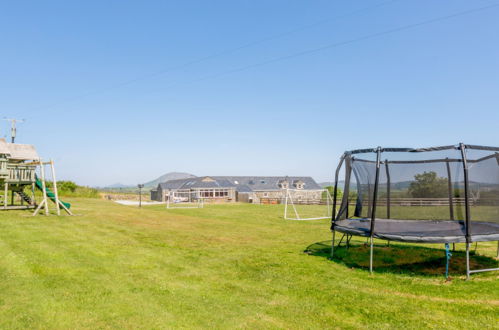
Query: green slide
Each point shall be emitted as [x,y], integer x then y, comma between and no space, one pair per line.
[50,193]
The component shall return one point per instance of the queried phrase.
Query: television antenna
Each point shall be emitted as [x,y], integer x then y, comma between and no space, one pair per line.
[13,128]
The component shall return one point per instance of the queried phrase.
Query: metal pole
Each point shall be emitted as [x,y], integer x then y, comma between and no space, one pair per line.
[13,129]
[335,192]
[467,208]
[449,187]
[371,252]
[373,210]
[332,245]
[388,190]
[335,196]
[341,239]
[140,193]
[346,191]
[369,199]
[467,261]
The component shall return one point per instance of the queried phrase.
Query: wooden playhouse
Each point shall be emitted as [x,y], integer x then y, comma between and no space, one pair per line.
[22,173]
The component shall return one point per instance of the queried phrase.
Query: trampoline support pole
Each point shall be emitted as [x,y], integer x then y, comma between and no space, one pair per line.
[371,256]
[332,244]
[467,261]
[462,147]
[497,250]
[341,240]
[388,191]
[335,197]
[373,209]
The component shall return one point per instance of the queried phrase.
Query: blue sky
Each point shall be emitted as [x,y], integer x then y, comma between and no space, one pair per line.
[107,91]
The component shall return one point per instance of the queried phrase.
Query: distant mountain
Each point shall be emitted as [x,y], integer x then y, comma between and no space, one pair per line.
[167,177]
[117,186]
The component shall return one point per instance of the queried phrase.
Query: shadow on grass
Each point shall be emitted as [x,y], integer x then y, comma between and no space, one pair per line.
[402,259]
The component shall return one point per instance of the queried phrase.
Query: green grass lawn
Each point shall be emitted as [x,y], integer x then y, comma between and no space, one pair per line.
[224,266]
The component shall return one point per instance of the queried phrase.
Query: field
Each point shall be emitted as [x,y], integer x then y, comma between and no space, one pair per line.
[225,266]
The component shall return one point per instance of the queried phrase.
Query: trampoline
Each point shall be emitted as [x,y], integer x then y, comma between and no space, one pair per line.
[446,195]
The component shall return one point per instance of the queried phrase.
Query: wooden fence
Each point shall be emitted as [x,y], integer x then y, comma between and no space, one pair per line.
[419,201]
[296,202]
[432,201]
[395,201]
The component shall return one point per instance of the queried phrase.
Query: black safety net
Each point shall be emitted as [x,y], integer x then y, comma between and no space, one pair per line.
[427,184]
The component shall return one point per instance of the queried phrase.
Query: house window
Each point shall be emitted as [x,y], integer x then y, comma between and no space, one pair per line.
[221,192]
[298,184]
[265,194]
[206,193]
[283,185]
[213,193]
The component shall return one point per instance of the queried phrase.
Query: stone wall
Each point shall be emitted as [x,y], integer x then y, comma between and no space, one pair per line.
[279,196]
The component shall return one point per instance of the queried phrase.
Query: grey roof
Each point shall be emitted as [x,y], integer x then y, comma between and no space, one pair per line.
[244,189]
[199,182]
[241,183]
[173,184]
[263,183]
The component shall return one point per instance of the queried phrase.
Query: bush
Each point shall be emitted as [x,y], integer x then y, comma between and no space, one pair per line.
[71,189]
[67,186]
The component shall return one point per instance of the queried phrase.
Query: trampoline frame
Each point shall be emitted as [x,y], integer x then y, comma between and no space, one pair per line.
[461,147]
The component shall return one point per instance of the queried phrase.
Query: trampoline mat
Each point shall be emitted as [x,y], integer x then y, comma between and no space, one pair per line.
[420,231]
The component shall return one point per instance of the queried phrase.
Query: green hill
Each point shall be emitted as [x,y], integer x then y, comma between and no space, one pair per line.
[167,177]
